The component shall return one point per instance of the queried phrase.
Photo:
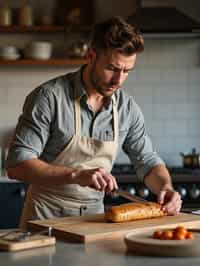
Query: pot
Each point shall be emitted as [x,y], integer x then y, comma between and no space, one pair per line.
[191,160]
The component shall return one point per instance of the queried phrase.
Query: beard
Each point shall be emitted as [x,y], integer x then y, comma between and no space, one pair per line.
[103,88]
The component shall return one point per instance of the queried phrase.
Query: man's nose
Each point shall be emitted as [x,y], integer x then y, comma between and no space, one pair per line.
[117,77]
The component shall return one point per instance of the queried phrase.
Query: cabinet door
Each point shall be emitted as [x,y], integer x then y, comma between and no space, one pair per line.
[11,202]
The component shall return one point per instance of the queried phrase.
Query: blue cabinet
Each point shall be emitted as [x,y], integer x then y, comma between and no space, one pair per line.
[11,201]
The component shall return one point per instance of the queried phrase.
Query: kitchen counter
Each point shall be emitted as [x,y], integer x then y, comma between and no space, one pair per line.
[5,179]
[103,253]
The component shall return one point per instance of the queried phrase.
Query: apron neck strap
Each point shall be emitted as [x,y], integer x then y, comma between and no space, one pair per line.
[115,119]
[77,117]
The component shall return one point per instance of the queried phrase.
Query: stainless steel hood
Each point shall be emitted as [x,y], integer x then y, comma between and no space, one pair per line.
[164,20]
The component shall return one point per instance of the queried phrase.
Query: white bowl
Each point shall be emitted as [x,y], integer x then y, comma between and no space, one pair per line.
[10,57]
[38,50]
[8,50]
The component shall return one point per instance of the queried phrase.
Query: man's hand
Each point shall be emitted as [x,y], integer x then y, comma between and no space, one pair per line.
[97,178]
[170,200]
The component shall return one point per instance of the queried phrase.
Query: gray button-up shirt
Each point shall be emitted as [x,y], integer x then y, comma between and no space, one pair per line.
[47,124]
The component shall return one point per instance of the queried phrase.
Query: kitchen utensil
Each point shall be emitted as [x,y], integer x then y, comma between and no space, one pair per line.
[91,228]
[127,195]
[7,233]
[191,160]
[144,244]
[14,240]
[19,235]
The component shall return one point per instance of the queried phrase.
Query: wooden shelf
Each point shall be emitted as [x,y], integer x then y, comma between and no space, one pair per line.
[43,28]
[49,62]
[36,28]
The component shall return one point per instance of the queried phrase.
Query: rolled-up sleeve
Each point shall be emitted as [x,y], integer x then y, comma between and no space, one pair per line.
[32,130]
[138,145]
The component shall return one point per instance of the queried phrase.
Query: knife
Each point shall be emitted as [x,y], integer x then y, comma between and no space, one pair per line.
[18,235]
[127,195]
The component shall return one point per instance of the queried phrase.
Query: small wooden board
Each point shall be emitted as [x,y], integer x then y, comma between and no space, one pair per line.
[145,244]
[94,227]
[31,242]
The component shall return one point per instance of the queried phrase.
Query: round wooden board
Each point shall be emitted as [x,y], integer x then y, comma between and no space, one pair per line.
[145,244]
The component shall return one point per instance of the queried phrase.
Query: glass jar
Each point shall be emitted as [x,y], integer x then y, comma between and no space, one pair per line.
[26,15]
[5,16]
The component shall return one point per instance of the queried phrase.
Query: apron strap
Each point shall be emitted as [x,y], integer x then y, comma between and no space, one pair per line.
[77,117]
[116,119]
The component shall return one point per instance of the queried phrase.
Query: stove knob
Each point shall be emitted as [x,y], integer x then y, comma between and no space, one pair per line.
[194,192]
[182,190]
[143,192]
[131,190]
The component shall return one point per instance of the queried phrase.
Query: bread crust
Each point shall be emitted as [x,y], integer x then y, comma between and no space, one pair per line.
[133,211]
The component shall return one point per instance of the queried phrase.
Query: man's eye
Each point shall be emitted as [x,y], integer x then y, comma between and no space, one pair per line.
[127,71]
[112,69]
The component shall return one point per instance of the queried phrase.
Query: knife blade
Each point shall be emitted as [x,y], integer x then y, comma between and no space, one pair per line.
[127,195]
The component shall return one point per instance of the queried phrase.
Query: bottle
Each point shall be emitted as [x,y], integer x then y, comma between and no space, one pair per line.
[5,16]
[26,15]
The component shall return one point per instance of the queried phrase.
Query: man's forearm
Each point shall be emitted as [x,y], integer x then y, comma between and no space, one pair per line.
[158,179]
[35,171]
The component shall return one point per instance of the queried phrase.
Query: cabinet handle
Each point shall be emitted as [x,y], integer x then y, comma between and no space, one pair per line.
[21,192]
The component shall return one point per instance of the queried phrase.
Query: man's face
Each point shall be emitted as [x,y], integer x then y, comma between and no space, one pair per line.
[108,70]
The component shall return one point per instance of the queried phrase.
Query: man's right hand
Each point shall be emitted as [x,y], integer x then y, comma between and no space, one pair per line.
[97,178]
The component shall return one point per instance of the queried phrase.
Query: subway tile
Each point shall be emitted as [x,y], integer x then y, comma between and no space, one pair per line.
[194,127]
[155,128]
[169,93]
[162,144]
[142,93]
[175,76]
[163,111]
[176,128]
[148,75]
[193,92]
[194,76]
[172,160]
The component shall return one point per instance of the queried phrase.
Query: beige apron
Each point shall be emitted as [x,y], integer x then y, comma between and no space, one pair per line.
[43,202]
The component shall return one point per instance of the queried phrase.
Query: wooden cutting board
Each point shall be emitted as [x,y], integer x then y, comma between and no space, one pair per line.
[31,242]
[94,227]
[145,244]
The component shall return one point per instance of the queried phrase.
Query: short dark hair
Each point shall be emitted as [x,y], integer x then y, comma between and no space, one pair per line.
[115,33]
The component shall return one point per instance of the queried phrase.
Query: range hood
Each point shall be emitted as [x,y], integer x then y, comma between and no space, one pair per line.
[164,20]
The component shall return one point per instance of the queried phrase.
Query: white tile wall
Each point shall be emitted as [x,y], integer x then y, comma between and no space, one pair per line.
[165,83]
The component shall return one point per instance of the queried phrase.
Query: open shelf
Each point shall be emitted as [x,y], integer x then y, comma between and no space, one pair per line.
[52,61]
[35,28]
[44,28]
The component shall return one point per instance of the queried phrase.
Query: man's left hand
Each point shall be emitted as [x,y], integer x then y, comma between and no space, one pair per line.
[170,200]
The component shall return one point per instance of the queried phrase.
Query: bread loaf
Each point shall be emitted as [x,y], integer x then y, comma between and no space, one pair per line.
[133,211]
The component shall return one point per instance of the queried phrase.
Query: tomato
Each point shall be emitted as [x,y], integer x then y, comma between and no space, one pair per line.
[167,235]
[178,235]
[189,235]
[157,234]
[181,229]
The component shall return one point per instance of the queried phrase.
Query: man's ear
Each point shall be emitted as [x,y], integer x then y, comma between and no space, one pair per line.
[91,54]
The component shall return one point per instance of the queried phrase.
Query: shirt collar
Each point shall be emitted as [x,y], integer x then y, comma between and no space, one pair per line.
[78,84]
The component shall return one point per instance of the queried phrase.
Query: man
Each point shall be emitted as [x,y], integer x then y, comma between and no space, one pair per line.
[68,136]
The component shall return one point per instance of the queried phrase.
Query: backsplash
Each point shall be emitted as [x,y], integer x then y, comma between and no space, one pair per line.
[165,83]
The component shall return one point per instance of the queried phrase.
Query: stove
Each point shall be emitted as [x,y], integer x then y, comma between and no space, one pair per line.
[185,180]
